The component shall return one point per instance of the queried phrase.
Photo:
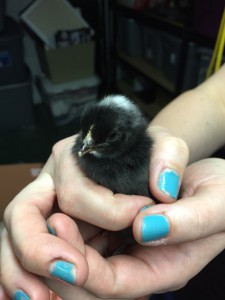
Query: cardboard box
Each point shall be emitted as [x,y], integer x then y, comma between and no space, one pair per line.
[46,17]
[13,178]
[74,60]
[67,64]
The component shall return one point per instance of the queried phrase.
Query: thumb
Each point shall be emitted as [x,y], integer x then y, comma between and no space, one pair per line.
[169,158]
[198,214]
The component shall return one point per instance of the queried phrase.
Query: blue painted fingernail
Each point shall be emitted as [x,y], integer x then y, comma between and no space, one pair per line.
[169,183]
[154,227]
[145,207]
[64,271]
[51,229]
[20,295]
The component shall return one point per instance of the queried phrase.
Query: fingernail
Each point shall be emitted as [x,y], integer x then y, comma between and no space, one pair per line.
[20,295]
[169,183]
[64,271]
[154,227]
[51,229]
[145,207]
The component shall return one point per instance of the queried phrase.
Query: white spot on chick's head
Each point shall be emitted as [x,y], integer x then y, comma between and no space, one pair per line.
[119,101]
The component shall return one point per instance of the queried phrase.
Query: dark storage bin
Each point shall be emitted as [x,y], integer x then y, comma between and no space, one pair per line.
[191,68]
[12,67]
[153,47]
[129,36]
[204,57]
[2,14]
[171,56]
[16,106]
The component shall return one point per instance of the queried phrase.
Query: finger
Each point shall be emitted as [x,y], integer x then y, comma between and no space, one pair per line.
[66,229]
[88,230]
[80,197]
[114,277]
[148,270]
[17,281]
[69,292]
[32,237]
[198,215]
[63,226]
[169,158]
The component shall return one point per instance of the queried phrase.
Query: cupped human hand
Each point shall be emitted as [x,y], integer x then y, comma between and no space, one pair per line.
[198,214]
[81,198]
[196,234]
[62,180]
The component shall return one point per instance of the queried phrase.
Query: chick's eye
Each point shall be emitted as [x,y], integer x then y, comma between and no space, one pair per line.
[113,136]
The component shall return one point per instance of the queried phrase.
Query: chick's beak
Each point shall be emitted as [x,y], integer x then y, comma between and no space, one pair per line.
[85,148]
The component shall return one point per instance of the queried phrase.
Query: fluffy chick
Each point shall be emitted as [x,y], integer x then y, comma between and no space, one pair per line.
[113,147]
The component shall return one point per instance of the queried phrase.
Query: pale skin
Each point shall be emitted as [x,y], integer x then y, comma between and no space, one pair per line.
[195,121]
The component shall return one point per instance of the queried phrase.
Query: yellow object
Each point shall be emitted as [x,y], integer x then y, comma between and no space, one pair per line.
[216,59]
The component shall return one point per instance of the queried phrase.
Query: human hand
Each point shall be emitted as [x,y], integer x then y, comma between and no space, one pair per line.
[32,206]
[168,153]
[176,259]
[187,249]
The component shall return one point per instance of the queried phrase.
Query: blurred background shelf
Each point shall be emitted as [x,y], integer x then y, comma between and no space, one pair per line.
[142,65]
[148,106]
[152,77]
[159,18]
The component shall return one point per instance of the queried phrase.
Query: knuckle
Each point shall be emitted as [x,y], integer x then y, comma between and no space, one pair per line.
[173,142]
[177,282]
[9,215]
[174,148]
[26,254]
[177,143]
[32,252]
[108,291]
[115,220]
[180,144]
[178,285]
[6,215]
[63,145]
[57,147]
[202,219]
[66,201]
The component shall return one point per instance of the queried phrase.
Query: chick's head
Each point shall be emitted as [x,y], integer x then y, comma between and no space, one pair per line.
[110,127]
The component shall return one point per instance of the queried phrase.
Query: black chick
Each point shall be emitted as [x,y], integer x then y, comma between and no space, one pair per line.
[113,147]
